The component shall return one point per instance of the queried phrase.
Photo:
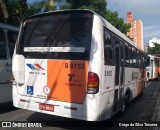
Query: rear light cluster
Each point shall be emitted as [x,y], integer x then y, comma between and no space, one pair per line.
[93,83]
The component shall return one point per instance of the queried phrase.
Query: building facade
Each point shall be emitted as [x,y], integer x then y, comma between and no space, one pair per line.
[136,31]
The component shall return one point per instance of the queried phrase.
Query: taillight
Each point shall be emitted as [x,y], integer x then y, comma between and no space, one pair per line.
[93,83]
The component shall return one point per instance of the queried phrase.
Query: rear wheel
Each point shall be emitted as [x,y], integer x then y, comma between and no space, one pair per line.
[127,98]
[123,108]
[141,94]
[125,102]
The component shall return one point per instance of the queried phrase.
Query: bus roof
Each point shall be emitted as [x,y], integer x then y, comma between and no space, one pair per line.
[63,11]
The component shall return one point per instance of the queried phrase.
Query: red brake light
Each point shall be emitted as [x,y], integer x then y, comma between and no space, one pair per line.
[93,83]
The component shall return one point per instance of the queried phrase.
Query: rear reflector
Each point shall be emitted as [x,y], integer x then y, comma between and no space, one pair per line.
[93,83]
[22,100]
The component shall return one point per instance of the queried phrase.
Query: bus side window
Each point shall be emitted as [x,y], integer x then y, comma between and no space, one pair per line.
[138,58]
[130,55]
[134,56]
[108,48]
[3,45]
[12,37]
[127,63]
[122,62]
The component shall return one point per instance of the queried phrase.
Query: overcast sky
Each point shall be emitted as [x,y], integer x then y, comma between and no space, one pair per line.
[146,10]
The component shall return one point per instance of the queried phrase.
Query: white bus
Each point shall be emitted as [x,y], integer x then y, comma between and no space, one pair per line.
[8,36]
[153,70]
[75,64]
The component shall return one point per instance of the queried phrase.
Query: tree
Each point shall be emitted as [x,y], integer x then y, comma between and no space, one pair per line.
[4,10]
[155,49]
[15,10]
[119,23]
[22,9]
[99,6]
[19,10]
[41,6]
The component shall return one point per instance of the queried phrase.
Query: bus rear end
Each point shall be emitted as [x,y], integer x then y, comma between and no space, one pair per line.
[8,36]
[51,66]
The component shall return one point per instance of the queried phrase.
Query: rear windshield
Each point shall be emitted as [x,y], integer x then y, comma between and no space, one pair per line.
[57,36]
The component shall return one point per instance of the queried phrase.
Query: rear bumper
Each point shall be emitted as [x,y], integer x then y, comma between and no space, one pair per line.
[88,111]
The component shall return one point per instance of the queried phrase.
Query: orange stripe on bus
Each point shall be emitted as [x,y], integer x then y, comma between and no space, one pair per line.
[139,87]
[157,69]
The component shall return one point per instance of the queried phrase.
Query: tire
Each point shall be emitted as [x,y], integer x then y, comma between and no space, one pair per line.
[127,98]
[126,102]
[141,94]
[123,108]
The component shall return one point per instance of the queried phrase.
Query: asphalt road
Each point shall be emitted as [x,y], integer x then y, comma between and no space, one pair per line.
[141,109]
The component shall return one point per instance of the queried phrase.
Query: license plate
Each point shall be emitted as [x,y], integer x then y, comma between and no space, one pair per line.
[46,107]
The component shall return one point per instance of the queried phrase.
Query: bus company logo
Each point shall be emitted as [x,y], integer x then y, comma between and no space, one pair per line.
[35,67]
